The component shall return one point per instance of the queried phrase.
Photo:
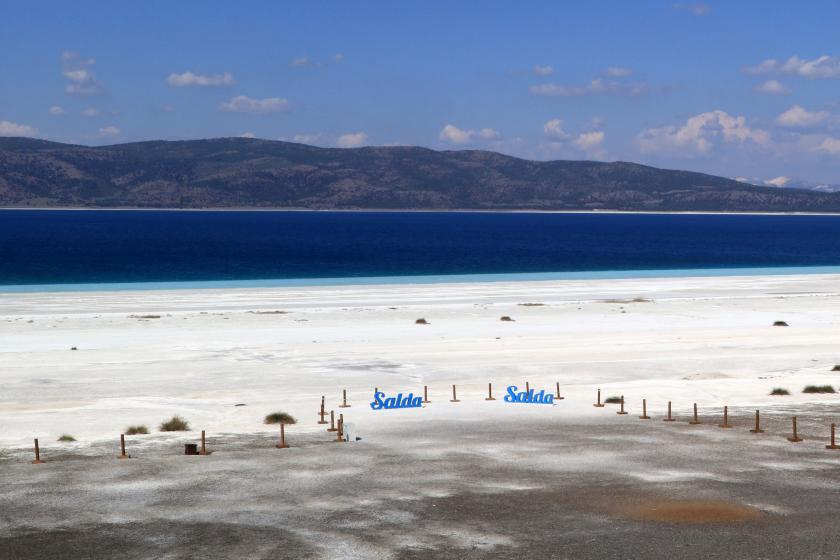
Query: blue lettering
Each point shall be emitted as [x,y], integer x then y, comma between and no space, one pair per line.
[528,396]
[400,401]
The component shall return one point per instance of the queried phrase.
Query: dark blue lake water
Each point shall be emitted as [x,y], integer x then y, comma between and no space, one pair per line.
[68,247]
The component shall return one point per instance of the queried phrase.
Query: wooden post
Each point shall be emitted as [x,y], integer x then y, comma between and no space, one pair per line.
[621,411]
[695,420]
[282,444]
[454,395]
[527,388]
[644,415]
[726,423]
[668,418]
[344,399]
[598,404]
[795,437]
[832,446]
[323,412]
[37,460]
[557,397]
[426,394]
[332,427]
[203,444]
[757,429]
[339,434]
[490,393]
[122,448]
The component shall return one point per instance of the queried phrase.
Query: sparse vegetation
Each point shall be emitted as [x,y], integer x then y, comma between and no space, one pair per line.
[818,389]
[421,322]
[530,304]
[836,368]
[780,324]
[505,318]
[778,391]
[280,418]
[136,430]
[66,438]
[175,424]
[613,400]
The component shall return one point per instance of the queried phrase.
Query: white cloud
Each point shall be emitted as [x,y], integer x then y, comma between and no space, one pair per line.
[55,110]
[307,138]
[109,131]
[454,135]
[543,70]
[245,104]
[780,181]
[772,87]
[554,129]
[8,128]
[588,141]
[352,140]
[338,57]
[247,135]
[90,112]
[700,135]
[76,70]
[189,79]
[696,8]
[489,134]
[618,71]
[830,146]
[820,68]
[595,86]
[798,117]
[301,61]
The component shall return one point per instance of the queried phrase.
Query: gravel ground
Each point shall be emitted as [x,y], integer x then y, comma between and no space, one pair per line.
[525,486]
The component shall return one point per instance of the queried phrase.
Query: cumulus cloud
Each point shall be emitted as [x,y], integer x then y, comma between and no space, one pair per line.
[700,135]
[590,140]
[799,117]
[780,181]
[8,128]
[109,131]
[596,86]
[80,78]
[451,134]
[55,110]
[543,70]
[618,71]
[695,8]
[352,140]
[190,79]
[830,146]
[772,87]
[301,61]
[247,135]
[90,112]
[338,57]
[245,104]
[554,129]
[307,138]
[819,68]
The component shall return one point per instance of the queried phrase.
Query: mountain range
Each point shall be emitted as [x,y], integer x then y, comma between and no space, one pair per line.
[254,173]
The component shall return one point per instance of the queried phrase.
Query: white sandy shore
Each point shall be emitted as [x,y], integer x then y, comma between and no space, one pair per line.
[704,340]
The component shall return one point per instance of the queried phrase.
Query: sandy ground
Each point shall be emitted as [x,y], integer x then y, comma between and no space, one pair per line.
[450,480]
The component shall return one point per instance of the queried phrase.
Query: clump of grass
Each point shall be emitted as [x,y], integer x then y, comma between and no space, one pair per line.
[136,430]
[530,304]
[505,318]
[780,324]
[175,424]
[836,368]
[280,418]
[66,438]
[778,391]
[818,389]
[421,322]
[613,400]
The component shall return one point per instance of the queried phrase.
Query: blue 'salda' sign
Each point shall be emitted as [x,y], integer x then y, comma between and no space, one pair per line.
[528,396]
[409,401]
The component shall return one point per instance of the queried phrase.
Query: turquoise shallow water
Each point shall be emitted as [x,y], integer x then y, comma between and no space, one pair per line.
[429,279]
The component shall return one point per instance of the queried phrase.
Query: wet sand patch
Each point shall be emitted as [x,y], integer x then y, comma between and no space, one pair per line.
[689,511]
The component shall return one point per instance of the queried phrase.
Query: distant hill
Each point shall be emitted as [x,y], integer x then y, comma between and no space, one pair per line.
[251,173]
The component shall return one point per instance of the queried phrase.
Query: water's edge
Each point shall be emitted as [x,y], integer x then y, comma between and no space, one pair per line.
[421,279]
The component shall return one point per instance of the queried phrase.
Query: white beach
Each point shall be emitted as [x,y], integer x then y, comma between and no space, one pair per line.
[704,340]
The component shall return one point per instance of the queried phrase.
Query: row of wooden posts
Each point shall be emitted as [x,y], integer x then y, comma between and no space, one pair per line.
[695,420]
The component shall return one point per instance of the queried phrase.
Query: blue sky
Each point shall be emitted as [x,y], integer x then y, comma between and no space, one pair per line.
[742,89]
